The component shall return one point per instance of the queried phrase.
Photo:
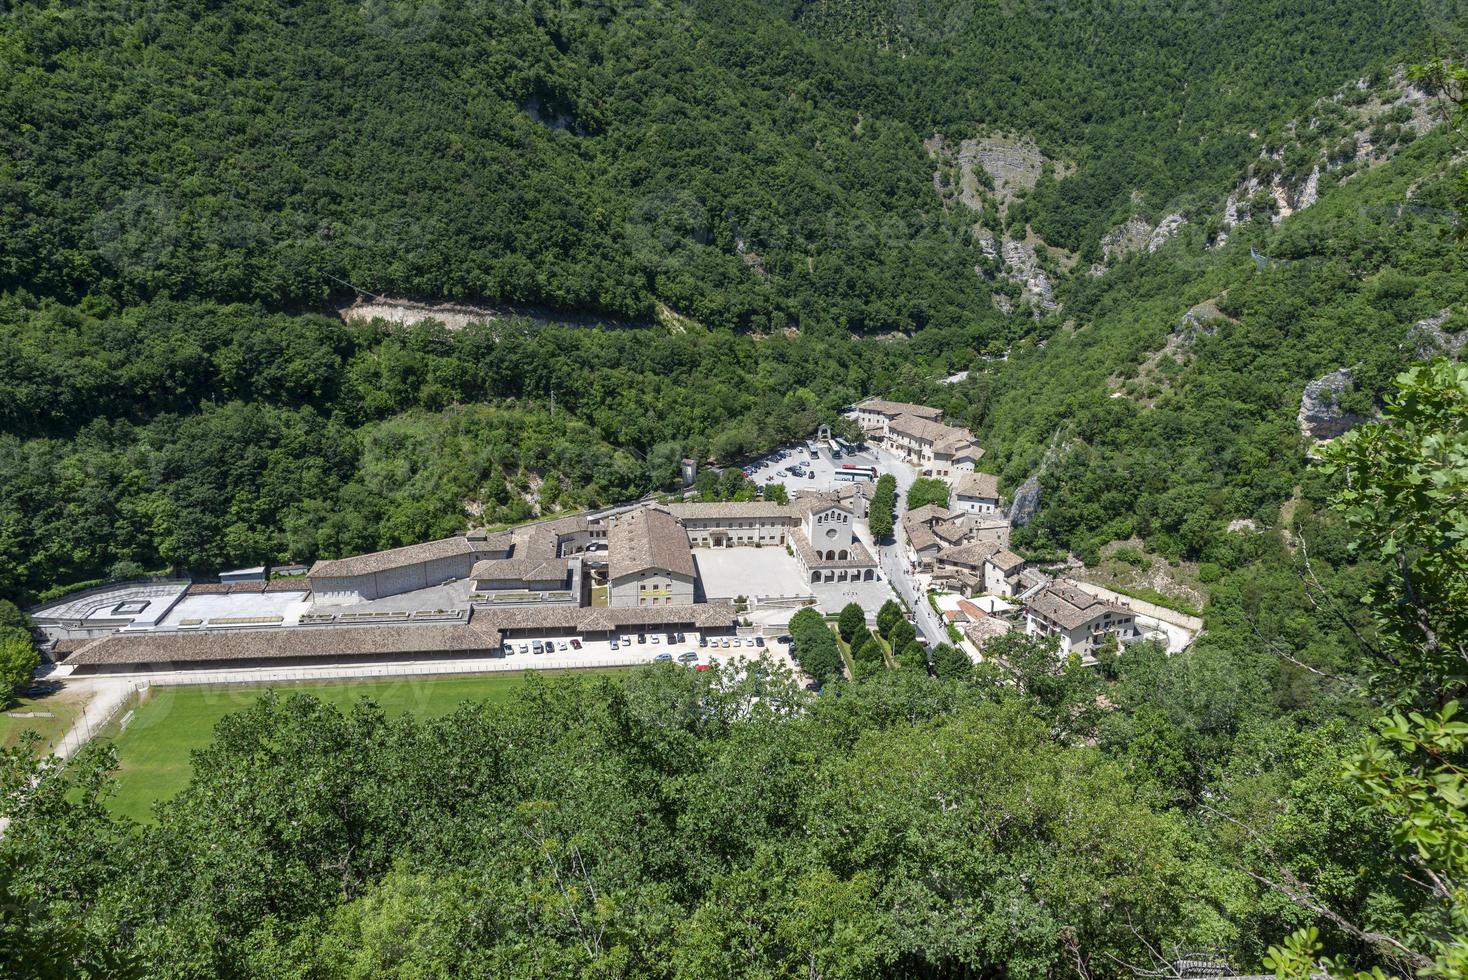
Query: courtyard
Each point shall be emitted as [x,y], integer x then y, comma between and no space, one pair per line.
[764,573]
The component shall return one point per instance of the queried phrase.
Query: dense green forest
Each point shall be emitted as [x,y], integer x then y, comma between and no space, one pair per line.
[737,161]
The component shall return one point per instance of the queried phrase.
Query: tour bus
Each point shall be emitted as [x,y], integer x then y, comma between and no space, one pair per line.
[852,472]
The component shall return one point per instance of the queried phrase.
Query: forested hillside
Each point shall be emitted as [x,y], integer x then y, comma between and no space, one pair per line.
[735,161]
[756,166]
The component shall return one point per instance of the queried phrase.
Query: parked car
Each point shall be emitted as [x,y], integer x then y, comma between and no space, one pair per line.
[700,666]
[688,658]
[615,644]
[563,646]
[759,641]
[662,657]
[738,642]
[724,643]
[703,641]
[810,476]
[680,638]
[537,648]
[782,639]
[626,641]
[575,644]
[641,638]
[656,639]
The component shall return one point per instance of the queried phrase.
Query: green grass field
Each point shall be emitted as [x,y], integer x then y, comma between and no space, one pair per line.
[153,751]
[49,716]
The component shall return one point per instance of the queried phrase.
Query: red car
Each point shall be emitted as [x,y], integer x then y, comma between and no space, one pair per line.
[701,667]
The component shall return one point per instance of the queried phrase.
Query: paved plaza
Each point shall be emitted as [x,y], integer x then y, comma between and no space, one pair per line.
[726,573]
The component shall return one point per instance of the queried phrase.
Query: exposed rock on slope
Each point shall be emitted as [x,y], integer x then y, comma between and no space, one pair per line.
[987,175]
[1026,502]
[1358,127]
[1137,234]
[1427,338]
[1321,416]
[1022,265]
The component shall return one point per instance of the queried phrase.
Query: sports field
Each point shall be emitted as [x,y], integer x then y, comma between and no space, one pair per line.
[153,751]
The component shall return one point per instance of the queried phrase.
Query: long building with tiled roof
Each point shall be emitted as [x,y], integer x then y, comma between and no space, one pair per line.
[731,524]
[482,635]
[397,570]
[875,414]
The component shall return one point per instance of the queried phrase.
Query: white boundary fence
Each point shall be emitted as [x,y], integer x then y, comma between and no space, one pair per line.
[100,712]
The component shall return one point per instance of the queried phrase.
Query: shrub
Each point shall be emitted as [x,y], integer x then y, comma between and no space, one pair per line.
[951,662]
[815,649]
[913,657]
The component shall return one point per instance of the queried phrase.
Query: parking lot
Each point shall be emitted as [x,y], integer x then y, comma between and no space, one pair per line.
[594,651]
[821,469]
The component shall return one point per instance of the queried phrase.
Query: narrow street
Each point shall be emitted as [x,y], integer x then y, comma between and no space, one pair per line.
[893,556]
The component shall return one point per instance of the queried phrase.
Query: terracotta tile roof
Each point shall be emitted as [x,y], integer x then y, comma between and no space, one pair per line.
[893,409]
[984,629]
[968,555]
[536,542]
[1006,561]
[480,636]
[556,570]
[926,514]
[951,532]
[646,539]
[959,447]
[413,554]
[972,611]
[298,642]
[818,500]
[921,537]
[1070,607]
[731,510]
[978,485]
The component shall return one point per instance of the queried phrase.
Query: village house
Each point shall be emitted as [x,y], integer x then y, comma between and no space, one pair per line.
[1082,621]
[976,493]
[934,448]
[980,567]
[874,414]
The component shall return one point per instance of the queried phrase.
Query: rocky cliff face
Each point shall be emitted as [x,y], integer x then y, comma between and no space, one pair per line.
[1137,234]
[1321,416]
[1026,502]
